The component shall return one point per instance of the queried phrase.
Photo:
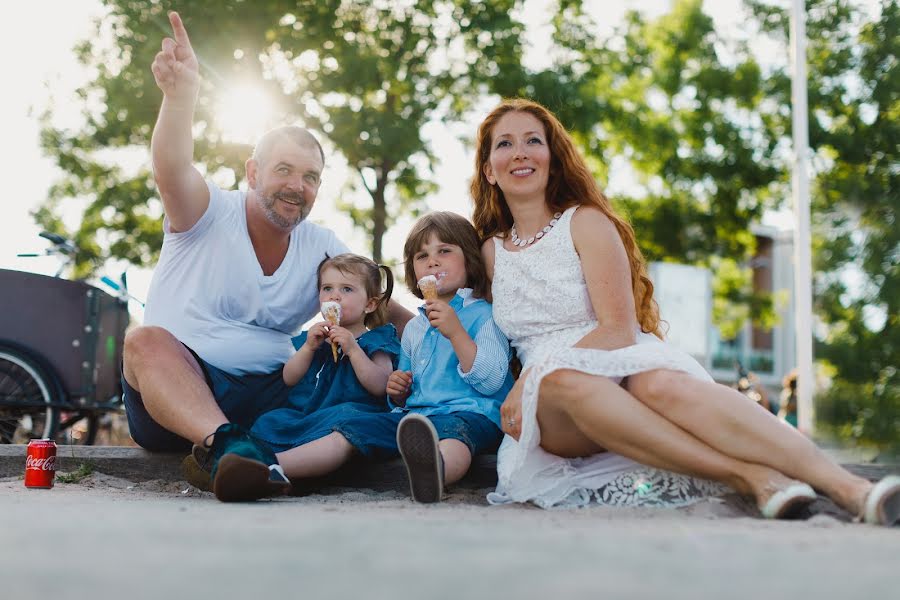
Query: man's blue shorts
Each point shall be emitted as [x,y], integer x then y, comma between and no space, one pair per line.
[242,398]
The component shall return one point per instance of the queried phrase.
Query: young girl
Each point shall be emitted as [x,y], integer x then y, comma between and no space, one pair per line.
[366,346]
[446,396]
[350,380]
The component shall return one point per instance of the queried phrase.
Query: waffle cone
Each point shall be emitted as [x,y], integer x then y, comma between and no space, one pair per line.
[332,313]
[428,287]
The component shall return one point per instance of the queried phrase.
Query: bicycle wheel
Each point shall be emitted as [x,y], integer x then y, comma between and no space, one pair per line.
[26,394]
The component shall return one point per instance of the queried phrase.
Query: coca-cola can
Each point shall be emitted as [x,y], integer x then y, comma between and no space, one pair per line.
[40,464]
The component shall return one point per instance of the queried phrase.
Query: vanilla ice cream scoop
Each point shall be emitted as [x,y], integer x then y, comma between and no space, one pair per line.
[332,313]
[428,285]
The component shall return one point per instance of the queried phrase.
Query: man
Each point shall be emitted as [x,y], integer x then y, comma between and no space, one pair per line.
[236,278]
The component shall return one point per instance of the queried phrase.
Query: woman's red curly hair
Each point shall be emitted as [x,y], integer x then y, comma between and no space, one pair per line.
[570,183]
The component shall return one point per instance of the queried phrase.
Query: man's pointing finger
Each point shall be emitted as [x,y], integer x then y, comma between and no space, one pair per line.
[178,29]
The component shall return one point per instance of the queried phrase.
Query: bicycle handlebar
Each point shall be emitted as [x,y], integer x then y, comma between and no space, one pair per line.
[62,244]
[53,237]
[68,249]
[121,289]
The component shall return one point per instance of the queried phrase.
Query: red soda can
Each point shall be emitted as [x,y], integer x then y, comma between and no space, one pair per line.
[40,464]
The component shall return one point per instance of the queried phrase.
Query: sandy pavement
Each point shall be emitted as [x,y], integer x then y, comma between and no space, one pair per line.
[109,538]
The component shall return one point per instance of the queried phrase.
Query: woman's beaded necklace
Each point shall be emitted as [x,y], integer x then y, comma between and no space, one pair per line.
[517,241]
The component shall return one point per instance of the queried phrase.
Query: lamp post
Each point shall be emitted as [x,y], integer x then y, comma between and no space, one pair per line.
[802,252]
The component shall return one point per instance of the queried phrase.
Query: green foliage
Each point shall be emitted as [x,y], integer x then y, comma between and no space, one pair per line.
[369,76]
[84,470]
[734,300]
[730,286]
[854,97]
[366,75]
[867,413]
[679,106]
[693,117]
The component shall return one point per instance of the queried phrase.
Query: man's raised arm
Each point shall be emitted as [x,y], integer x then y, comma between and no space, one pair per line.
[182,189]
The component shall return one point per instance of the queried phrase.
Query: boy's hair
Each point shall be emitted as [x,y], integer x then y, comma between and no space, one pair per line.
[450,228]
[371,274]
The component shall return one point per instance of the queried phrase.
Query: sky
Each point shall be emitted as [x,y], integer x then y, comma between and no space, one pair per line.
[41,68]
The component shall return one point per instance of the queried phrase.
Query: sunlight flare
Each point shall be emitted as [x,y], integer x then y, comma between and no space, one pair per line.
[244,113]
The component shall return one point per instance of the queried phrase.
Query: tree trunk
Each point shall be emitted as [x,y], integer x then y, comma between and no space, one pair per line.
[379,213]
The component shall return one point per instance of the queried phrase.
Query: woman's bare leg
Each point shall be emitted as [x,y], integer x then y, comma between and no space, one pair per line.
[581,414]
[735,426]
[315,459]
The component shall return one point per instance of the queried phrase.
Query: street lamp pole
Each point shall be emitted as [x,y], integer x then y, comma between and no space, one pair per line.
[802,252]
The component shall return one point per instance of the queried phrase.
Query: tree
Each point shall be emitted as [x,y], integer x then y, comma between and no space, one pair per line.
[683,110]
[854,116]
[366,75]
[372,70]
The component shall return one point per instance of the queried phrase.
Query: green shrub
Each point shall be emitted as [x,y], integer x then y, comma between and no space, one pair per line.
[866,414]
[83,471]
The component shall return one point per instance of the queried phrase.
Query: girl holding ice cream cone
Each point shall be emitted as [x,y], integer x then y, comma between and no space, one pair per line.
[445,396]
[367,352]
[354,304]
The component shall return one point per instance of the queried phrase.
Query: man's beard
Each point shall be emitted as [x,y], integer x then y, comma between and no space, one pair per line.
[268,204]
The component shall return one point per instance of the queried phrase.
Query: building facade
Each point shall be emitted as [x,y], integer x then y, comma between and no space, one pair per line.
[684,294]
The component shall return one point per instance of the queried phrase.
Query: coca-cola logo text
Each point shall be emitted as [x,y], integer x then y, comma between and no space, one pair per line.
[40,464]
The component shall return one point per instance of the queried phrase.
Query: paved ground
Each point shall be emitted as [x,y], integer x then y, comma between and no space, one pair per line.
[109,538]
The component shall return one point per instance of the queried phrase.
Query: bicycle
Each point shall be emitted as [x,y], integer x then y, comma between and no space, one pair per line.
[60,352]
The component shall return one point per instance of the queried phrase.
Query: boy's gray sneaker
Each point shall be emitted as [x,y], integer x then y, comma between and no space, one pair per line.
[418,442]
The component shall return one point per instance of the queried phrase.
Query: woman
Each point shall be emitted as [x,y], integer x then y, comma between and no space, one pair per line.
[570,290]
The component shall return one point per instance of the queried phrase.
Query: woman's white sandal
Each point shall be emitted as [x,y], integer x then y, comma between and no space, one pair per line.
[787,502]
[882,505]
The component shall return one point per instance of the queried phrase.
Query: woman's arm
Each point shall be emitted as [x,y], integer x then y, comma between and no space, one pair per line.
[398,316]
[608,278]
[487,253]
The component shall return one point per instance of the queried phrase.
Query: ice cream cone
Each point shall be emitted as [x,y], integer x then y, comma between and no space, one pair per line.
[332,313]
[428,287]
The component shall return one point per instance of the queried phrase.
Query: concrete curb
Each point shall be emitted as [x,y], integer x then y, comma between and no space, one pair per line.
[136,464]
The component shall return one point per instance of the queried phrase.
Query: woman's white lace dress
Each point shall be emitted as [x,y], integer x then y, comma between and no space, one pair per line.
[541,303]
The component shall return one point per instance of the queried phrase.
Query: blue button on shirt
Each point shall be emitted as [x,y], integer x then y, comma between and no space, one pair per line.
[439,385]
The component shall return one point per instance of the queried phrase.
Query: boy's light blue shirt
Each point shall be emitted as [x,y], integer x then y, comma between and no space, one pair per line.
[439,385]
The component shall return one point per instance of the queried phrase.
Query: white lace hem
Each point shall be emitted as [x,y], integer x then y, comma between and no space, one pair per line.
[527,473]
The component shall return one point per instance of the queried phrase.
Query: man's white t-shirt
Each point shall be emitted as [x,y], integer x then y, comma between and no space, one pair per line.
[209,290]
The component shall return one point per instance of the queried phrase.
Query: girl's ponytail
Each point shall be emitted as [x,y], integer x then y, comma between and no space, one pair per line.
[379,316]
